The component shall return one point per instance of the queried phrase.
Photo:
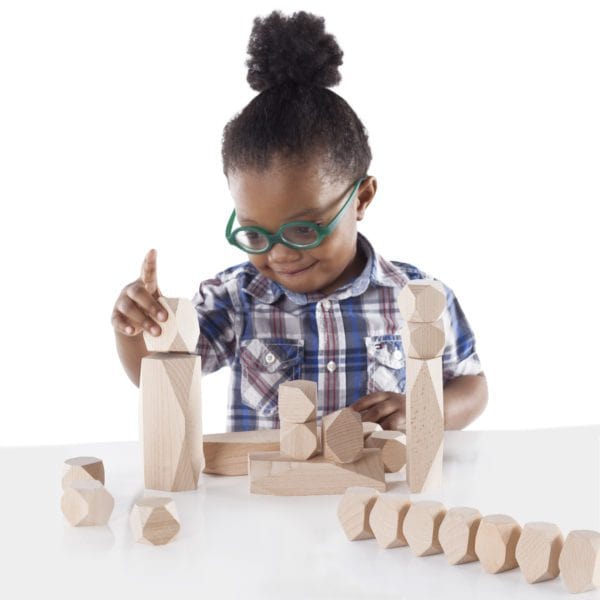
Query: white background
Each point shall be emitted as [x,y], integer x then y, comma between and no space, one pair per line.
[485,130]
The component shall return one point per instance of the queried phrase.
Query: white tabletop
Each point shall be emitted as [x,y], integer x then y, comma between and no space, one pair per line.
[234,544]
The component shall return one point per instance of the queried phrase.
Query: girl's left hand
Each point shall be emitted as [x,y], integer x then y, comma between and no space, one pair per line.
[386,408]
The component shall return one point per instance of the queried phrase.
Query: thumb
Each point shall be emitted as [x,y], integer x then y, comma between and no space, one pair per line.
[148,276]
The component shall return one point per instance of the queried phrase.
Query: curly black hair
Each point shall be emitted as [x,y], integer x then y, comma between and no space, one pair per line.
[295,117]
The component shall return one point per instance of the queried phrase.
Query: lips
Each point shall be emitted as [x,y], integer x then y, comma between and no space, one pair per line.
[294,272]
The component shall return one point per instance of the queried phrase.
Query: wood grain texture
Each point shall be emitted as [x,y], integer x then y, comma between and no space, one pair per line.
[393,448]
[180,332]
[496,542]
[387,520]
[422,300]
[421,527]
[299,440]
[342,435]
[354,512]
[538,550]
[86,502]
[154,520]
[82,467]
[579,561]
[457,534]
[297,400]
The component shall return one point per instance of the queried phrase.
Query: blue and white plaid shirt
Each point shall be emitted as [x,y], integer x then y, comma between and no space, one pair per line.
[348,341]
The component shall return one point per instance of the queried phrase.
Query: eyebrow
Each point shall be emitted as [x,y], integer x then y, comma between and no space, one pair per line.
[306,212]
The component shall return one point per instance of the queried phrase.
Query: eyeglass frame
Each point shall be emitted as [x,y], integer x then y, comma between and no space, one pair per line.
[322,230]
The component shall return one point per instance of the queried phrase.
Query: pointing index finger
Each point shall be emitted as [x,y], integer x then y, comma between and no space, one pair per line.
[148,276]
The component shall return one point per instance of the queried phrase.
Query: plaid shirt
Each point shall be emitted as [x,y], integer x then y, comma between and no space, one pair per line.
[348,341]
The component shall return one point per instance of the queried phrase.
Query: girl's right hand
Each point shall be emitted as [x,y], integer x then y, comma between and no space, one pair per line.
[137,307]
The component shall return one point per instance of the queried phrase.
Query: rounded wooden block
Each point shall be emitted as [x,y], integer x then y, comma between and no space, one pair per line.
[496,542]
[387,519]
[180,332]
[457,534]
[422,300]
[82,467]
[353,512]
[342,436]
[369,427]
[424,340]
[298,440]
[297,401]
[538,550]
[154,520]
[421,527]
[579,561]
[86,502]
[393,448]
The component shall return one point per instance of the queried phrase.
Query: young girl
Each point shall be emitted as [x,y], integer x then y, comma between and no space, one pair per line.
[314,300]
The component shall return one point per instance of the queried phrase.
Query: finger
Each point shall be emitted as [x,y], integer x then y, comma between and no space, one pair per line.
[395,422]
[149,276]
[137,316]
[121,323]
[138,292]
[369,400]
[380,410]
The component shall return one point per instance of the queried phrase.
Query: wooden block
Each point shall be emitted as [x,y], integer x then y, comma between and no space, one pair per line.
[297,401]
[354,510]
[422,300]
[271,473]
[538,550]
[180,332]
[86,502]
[579,561]
[299,440]
[227,453]
[421,527]
[393,448]
[457,534]
[342,435]
[424,340]
[82,467]
[424,424]
[387,520]
[496,542]
[171,421]
[154,520]
[369,427]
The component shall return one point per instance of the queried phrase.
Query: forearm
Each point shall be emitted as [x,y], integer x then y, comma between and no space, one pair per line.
[131,350]
[465,398]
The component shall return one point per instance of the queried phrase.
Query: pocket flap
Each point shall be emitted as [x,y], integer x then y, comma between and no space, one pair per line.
[386,349]
[271,356]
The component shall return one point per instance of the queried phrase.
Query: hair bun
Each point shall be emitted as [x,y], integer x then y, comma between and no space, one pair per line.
[292,49]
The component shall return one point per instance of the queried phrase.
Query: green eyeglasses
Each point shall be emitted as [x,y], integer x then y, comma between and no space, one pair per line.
[301,235]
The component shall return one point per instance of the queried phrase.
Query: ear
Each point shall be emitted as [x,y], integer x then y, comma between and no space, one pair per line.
[365,195]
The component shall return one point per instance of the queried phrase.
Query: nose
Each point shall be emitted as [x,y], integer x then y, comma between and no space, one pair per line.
[281,253]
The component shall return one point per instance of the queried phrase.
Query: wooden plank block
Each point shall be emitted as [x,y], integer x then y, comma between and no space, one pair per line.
[271,473]
[393,448]
[579,561]
[343,438]
[180,332]
[538,550]
[496,542]
[354,511]
[299,440]
[227,453]
[297,400]
[171,421]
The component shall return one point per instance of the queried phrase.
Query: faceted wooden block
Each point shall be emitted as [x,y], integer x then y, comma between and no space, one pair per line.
[422,300]
[354,510]
[86,502]
[299,440]
[297,401]
[393,448]
[457,534]
[369,427]
[421,527]
[387,520]
[579,561]
[82,467]
[342,435]
[154,520]
[424,340]
[538,550]
[496,542]
[180,332]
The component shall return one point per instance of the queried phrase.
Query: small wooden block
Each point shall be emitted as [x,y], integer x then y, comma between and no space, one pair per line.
[299,440]
[87,502]
[342,435]
[227,453]
[387,520]
[180,332]
[424,340]
[496,542]
[422,300]
[538,550]
[369,427]
[271,473]
[354,510]
[297,401]
[457,534]
[579,561]
[421,527]
[82,467]
[393,448]
[154,520]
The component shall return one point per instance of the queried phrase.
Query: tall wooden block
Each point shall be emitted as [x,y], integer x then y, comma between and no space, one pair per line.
[421,527]
[297,401]
[496,542]
[457,534]
[342,432]
[579,561]
[538,550]
[171,421]
[180,332]
[86,502]
[393,448]
[82,467]
[387,520]
[422,300]
[299,440]
[353,512]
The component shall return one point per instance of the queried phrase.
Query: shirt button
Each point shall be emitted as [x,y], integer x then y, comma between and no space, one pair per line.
[269,358]
[398,354]
[326,304]
[331,366]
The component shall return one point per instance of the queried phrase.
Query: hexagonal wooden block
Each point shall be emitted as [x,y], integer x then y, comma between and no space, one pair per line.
[496,542]
[298,440]
[393,448]
[342,436]
[457,534]
[387,520]
[297,401]
[180,332]
[86,502]
[424,340]
[154,520]
[579,561]
[354,510]
[538,550]
[421,527]
[422,300]
[82,467]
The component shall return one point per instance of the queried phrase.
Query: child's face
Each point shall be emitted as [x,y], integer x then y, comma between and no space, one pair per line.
[285,194]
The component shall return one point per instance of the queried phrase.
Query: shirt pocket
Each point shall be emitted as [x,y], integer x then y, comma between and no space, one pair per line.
[266,363]
[386,366]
